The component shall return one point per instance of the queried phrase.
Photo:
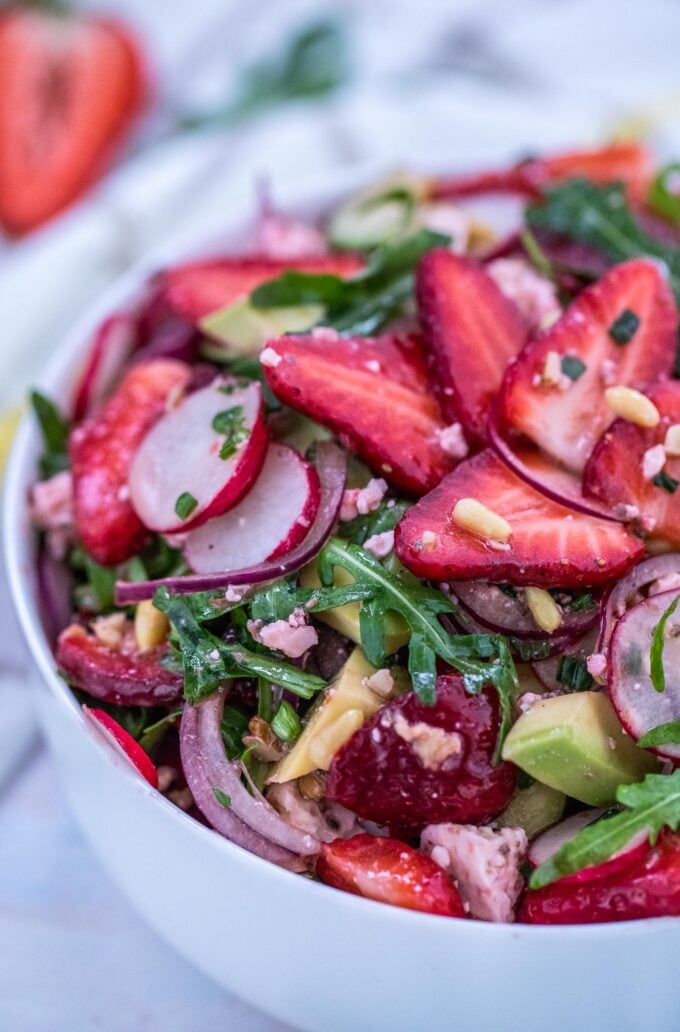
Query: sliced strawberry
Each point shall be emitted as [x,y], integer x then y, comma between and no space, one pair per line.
[565,418]
[124,744]
[389,871]
[102,449]
[371,393]
[412,764]
[550,545]
[472,330]
[70,87]
[647,887]
[121,675]
[616,471]
[199,288]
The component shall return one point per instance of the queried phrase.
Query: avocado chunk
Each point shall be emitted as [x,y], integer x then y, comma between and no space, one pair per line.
[345,619]
[333,718]
[575,744]
[534,808]
[241,329]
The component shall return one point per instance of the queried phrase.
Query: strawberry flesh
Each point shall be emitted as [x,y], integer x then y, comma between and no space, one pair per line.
[566,419]
[472,331]
[102,449]
[615,474]
[372,393]
[389,871]
[412,764]
[550,546]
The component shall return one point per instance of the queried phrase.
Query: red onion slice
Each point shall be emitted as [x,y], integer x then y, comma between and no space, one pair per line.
[114,342]
[249,821]
[55,584]
[541,474]
[508,614]
[523,649]
[331,465]
[639,584]
[639,706]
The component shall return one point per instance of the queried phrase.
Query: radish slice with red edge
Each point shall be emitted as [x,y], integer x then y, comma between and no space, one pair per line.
[113,344]
[124,744]
[272,519]
[639,706]
[504,610]
[650,577]
[331,466]
[549,842]
[200,458]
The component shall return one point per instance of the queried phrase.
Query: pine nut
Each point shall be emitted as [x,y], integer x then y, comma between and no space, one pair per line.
[471,515]
[151,626]
[672,442]
[543,608]
[552,370]
[630,404]
[324,746]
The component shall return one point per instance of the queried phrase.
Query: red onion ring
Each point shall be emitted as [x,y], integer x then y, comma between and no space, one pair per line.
[492,608]
[55,585]
[464,623]
[557,484]
[331,465]
[629,591]
[250,821]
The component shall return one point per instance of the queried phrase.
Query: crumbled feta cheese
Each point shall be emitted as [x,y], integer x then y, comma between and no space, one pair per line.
[270,358]
[452,441]
[323,819]
[534,295]
[381,682]
[360,501]
[326,333]
[447,218]
[110,630]
[485,864]
[380,544]
[527,700]
[293,636]
[236,592]
[51,509]
[432,745]
[608,372]
[597,664]
[653,461]
[281,237]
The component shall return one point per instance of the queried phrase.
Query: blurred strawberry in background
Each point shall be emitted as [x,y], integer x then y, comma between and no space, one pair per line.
[71,86]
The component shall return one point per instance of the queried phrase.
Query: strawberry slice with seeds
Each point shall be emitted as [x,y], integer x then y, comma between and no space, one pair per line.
[472,330]
[620,331]
[196,289]
[372,393]
[102,449]
[630,467]
[548,546]
[389,871]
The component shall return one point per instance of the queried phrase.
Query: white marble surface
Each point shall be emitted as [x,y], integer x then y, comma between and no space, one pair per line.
[538,73]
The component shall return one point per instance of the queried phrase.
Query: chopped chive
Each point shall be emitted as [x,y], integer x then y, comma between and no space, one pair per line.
[573,672]
[185,505]
[222,797]
[580,603]
[624,327]
[573,367]
[286,723]
[667,483]
[231,423]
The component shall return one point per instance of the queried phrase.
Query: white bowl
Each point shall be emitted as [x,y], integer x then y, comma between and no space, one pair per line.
[312,956]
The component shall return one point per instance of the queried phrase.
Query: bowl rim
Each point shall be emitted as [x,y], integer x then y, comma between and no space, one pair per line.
[17,542]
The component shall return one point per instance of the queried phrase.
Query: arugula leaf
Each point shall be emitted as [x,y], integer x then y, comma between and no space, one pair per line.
[361,528]
[657,671]
[365,302]
[54,430]
[234,727]
[600,215]
[154,733]
[662,734]
[652,805]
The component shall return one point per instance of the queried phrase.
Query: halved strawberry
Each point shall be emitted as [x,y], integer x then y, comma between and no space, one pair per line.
[196,289]
[622,330]
[389,871]
[616,471]
[550,545]
[369,391]
[472,330]
[102,449]
[70,86]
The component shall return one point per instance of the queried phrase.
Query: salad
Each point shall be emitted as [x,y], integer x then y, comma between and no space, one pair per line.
[363,546]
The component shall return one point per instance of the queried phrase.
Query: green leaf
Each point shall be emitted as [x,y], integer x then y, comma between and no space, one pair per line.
[154,733]
[232,424]
[657,671]
[422,668]
[664,198]
[652,805]
[573,672]
[234,727]
[222,797]
[55,431]
[102,584]
[185,505]
[372,629]
[286,724]
[364,303]
[361,528]
[662,734]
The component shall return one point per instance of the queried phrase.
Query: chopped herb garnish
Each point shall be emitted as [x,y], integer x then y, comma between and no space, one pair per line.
[222,797]
[185,505]
[624,328]
[54,430]
[656,652]
[652,805]
[662,734]
[361,528]
[234,727]
[232,424]
[573,367]
[286,724]
[663,480]
[573,672]
[580,603]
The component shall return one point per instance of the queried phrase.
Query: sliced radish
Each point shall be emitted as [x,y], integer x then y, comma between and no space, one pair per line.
[546,845]
[273,518]
[639,706]
[113,344]
[650,577]
[124,744]
[178,478]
